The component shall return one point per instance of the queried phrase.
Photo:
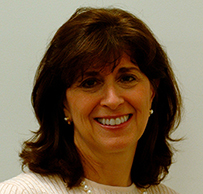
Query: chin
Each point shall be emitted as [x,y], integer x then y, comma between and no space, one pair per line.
[118,145]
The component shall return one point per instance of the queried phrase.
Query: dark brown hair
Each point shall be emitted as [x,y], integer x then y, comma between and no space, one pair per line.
[99,37]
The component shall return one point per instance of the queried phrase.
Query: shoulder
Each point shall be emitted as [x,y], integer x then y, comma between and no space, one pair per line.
[160,189]
[20,184]
[32,183]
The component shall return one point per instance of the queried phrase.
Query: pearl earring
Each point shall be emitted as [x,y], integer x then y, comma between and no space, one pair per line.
[151,111]
[68,120]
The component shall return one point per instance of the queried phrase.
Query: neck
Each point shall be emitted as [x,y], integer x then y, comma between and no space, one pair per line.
[109,169]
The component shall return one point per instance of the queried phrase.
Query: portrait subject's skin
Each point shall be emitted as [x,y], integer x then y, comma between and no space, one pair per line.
[110,111]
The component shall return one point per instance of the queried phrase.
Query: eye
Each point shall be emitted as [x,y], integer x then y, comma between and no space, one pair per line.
[127,78]
[90,83]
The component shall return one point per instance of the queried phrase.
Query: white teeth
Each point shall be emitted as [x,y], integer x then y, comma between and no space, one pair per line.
[112,121]
[126,118]
[118,121]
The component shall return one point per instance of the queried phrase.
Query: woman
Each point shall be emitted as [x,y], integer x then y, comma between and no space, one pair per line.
[106,101]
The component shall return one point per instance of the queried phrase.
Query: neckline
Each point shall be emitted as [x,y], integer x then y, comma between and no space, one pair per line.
[93,184]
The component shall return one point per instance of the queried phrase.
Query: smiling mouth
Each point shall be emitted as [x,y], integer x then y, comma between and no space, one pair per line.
[114,121]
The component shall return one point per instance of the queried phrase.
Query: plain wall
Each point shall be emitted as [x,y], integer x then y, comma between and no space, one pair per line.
[27,26]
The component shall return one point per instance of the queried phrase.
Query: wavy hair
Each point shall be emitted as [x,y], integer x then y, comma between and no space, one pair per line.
[98,37]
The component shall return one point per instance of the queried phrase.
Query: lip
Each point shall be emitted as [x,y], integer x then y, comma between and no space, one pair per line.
[113,117]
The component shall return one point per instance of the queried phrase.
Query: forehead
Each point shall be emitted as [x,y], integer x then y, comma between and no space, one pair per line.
[122,64]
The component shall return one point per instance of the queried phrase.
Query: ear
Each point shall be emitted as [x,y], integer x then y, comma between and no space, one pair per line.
[154,87]
[66,109]
[152,94]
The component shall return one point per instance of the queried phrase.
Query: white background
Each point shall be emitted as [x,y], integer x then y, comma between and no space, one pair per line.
[27,26]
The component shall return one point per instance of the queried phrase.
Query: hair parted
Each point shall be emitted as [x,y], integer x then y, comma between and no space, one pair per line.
[98,37]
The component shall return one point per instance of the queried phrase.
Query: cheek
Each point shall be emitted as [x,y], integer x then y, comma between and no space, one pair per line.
[81,105]
[142,99]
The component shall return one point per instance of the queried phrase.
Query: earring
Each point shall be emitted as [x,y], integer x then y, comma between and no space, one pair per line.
[68,120]
[151,111]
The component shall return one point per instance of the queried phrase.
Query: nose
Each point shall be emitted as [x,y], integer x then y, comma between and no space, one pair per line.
[112,98]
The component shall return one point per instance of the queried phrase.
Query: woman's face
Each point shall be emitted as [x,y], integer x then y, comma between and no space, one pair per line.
[110,110]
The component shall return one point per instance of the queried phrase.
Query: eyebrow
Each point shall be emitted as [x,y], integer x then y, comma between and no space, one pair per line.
[121,70]
[128,69]
[90,73]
